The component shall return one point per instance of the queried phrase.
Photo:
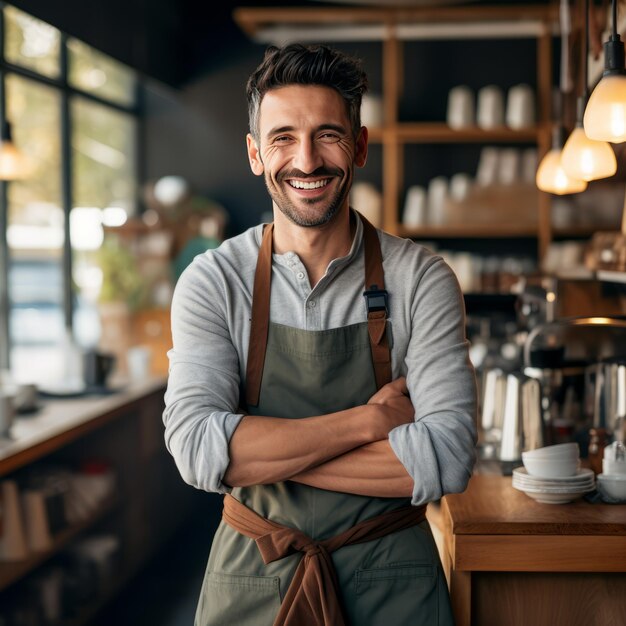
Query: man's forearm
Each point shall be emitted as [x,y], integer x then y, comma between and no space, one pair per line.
[269,449]
[370,470]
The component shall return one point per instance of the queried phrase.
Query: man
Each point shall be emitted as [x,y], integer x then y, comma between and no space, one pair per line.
[358,410]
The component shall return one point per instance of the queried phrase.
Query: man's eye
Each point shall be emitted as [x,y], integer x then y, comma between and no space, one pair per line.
[329,137]
[282,139]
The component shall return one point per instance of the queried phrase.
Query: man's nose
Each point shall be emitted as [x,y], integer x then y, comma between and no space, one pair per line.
[307,157]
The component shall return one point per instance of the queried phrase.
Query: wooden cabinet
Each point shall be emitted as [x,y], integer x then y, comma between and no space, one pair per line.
[395,28]
[514,561]
[149,502]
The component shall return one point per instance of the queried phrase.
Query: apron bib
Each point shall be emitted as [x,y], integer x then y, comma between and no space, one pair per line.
[396,579]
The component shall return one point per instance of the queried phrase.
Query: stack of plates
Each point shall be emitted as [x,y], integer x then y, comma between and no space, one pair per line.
[554,490]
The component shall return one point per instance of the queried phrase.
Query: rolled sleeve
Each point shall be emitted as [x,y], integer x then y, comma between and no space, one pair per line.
[438,449]
[202,398]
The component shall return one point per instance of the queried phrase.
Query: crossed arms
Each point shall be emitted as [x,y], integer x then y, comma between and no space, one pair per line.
[344,451]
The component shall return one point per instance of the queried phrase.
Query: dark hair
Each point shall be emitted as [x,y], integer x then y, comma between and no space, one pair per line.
[296,64]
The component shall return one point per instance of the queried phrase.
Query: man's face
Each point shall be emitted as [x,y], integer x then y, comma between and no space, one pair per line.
[307,152]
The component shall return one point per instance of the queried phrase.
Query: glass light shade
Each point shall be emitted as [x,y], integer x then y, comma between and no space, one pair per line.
[551,176]
[587,159]
[605,115]
[13,164]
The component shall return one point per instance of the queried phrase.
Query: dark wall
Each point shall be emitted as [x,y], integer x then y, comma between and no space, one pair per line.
[199,133]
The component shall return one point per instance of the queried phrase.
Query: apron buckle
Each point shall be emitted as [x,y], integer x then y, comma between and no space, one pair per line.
[376,300]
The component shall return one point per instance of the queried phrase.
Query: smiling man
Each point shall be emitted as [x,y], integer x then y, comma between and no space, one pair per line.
[320,379]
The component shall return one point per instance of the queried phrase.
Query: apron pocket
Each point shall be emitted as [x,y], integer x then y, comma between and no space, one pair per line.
[229,599]
[400,594]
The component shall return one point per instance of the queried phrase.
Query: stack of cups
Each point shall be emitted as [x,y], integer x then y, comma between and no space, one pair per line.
[559,461]
[552,475]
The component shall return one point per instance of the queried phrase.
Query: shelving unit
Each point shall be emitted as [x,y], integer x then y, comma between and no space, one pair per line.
[393,27]
[13,571]
[125,430]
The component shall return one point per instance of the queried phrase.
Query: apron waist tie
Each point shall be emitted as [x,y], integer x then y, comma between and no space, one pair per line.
[312,598]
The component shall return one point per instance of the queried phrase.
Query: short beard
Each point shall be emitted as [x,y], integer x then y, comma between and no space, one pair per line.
[290,211]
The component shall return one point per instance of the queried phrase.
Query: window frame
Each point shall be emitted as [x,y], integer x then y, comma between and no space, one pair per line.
[66,91]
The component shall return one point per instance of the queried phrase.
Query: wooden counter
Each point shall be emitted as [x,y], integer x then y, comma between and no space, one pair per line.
[513,561]
[61,421]
[125,430]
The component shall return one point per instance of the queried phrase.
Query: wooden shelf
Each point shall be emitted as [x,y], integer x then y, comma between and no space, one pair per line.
[440,132]
[11,572]
[393,27]
[470,231]
[252,20]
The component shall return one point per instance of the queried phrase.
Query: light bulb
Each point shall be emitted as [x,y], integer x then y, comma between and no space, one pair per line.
[13,164]
[552,178]
[587,159]
[605,115]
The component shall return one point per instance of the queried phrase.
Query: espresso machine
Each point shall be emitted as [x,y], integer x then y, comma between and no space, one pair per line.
[580,364]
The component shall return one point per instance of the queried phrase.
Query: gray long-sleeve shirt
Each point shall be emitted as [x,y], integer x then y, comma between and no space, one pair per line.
[211,325]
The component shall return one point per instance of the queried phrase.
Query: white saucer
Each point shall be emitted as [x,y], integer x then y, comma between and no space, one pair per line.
[555,498]
[583,475]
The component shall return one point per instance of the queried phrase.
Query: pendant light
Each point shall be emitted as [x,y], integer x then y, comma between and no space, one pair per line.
[605,116]
[584,158]
[13,164]
[551,176]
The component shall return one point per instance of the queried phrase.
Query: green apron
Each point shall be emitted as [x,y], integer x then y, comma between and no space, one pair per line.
[396,580]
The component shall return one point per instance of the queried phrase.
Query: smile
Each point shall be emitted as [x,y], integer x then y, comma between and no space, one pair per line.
[300,184]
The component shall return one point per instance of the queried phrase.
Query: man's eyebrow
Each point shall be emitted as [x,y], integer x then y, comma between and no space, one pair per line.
[286,129]
[278,130]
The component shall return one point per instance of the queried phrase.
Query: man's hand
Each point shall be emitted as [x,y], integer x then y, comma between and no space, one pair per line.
[395,407]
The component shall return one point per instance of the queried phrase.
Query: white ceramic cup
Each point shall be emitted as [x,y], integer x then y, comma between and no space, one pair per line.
[372,114]
[490,107]
[460,112]
[460,185]
[520,107]
[415,206]
[508,166]
[487,171]
[437,195]
[613,467]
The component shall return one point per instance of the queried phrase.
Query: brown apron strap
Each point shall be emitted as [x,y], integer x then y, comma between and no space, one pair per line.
[376,298]
[312,598]
[260,318]
[375,295]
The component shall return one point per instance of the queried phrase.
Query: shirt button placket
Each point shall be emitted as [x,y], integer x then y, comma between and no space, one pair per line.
[313,315]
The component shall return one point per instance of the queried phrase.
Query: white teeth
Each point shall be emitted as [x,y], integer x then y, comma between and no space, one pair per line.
[298,184]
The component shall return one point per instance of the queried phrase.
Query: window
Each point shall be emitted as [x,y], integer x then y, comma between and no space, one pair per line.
[95,73]
[77,128]
[31,43]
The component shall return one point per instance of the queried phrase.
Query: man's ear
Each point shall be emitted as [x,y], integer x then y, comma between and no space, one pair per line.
[360,155]
[254,156]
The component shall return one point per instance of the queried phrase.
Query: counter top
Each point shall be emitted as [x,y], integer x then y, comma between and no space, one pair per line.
[494,527]
[491,506]
[61,420]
